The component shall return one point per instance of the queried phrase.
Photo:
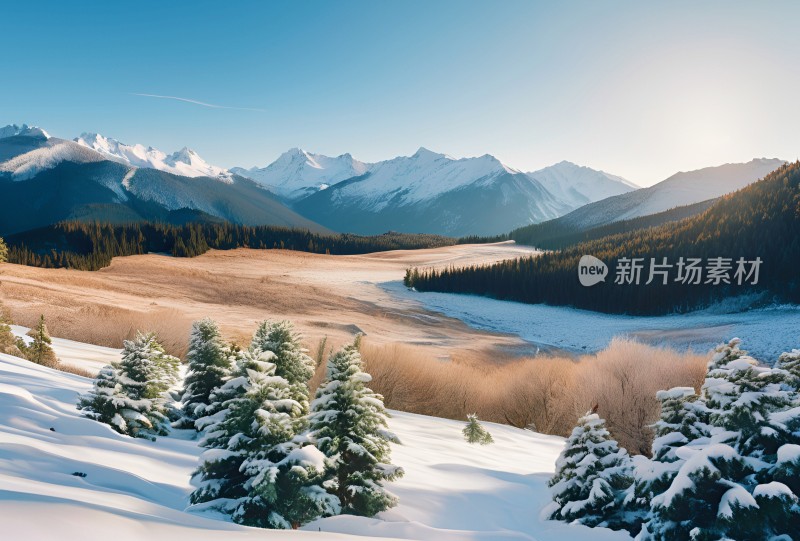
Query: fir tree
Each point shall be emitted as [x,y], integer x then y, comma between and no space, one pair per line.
[291,360]
[39,351]
[591,476]
[474,431]
[209,364]
[348,423]
[3,251]
[103,402]
[254,467]
[707,500]
[145,375]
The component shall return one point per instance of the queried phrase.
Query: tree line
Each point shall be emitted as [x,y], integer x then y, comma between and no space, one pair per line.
[91,246]
[759,221]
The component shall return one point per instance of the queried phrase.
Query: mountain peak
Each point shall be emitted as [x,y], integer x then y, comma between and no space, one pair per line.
[23,131]
[424,153]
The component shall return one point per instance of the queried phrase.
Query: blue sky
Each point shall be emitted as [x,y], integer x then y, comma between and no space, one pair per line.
[637,89]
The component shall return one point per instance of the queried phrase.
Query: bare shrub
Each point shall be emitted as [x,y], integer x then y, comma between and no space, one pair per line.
[546,394]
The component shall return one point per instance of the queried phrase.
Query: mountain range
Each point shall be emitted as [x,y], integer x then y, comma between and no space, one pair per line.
[98,177]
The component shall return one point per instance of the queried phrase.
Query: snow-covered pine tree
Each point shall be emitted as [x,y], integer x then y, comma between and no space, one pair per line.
[676,427]
[39,351]
[254,468]
[707,500]
[348,423]
[716,492]
[101,403]
[145,376]
[591,476]
[741,397]
[291,360]
[209,365]
[474,431]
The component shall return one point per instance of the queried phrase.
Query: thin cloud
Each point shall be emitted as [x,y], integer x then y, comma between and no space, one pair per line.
[196,102]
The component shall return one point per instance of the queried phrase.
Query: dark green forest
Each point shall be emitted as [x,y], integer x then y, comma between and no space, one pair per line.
[761,220]
[91,246]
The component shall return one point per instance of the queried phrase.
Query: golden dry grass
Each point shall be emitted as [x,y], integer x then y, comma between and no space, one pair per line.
[547,394]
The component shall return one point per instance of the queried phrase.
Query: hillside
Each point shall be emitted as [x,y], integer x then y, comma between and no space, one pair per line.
[759,221]
[132,487]
[681,195]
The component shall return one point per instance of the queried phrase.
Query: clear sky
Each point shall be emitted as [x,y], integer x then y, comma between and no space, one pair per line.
[639,89]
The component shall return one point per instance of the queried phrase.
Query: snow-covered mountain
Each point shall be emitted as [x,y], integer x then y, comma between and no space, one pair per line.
[184,162]
[578,185]
[297,174]
[24,131]
[44,180]
[430,192]
[684,188]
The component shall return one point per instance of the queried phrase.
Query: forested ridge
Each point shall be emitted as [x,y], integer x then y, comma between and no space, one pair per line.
[759,221]
[91,246]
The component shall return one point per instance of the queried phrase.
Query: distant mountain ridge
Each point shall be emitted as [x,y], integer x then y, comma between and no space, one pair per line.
[45,180]
[429,191]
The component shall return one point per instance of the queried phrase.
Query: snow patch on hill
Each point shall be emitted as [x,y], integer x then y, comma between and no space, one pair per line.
[30,164]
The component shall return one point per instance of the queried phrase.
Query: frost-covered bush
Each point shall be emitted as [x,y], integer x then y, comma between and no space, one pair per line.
[348,423]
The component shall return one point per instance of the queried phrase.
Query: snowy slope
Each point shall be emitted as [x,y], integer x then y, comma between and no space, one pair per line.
[185,162]
[45,154]
[136,489]
[297,173]
[578,185]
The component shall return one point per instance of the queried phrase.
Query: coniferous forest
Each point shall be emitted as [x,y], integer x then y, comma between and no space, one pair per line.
[759,221]
[91,246]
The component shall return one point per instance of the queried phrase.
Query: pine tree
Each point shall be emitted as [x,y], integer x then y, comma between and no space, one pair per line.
[103,401]
[3,251]
[145,376]
[291,360]
[39,351]
[474,431]
[209,364]
[254,467]
[707,500]
[591,476]
[348,423]
[735,475]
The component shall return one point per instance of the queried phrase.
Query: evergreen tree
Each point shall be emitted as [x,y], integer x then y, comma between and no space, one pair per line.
[474,431]
[103,402]
[591,476]
[254,467]
[291,360]
[39,351]
[348,423]
[3,251]
[145,376]
[209,364]
[707,500]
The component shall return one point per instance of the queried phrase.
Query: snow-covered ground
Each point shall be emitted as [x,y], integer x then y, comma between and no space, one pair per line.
[765,333]
[136,489]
